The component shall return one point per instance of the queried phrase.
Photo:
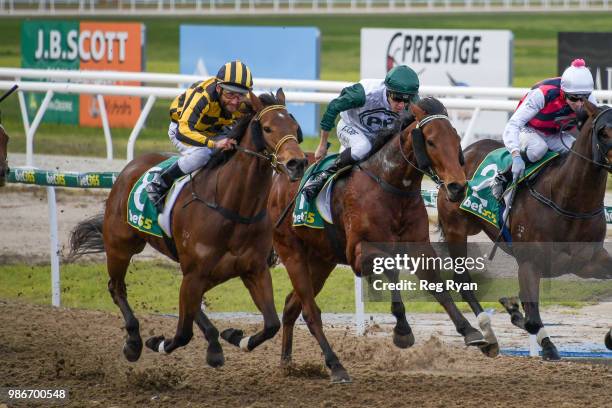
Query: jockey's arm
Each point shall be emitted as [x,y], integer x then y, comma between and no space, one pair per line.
[351,97]
[192,114]
[532,104]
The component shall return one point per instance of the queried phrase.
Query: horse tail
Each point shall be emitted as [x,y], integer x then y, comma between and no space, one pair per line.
[86,238]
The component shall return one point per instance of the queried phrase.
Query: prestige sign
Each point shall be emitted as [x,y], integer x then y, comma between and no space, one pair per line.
[444,58]
[85,46]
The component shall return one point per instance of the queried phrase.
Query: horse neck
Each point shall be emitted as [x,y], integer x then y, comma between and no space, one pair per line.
[390,165]
[243,183]
[579,184]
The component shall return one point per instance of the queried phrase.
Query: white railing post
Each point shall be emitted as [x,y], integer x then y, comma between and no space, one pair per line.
[466,140]
[138,127]
[24,112]
[34,127]
[105,127]
[54,247]
[359,308]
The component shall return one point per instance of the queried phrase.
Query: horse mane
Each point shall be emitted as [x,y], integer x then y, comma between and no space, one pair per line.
[239,130]
[430,105]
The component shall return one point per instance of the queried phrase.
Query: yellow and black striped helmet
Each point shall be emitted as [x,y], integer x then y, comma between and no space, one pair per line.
[235,76]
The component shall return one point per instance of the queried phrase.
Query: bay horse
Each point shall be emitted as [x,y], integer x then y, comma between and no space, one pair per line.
[563,205]
[380,201]
[213,243]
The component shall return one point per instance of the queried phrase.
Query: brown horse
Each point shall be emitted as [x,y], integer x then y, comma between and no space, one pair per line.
[213,243]
[380,201]
[563,205]
[4,168]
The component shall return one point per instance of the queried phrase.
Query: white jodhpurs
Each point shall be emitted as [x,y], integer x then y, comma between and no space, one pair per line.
[535,144]
[351,137]
[192,157]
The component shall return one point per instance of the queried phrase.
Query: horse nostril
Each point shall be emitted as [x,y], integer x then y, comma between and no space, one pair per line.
[456,189]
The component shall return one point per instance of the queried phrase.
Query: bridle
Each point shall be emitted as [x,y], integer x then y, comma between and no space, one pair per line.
[600,149]
[418,143]
[270,155]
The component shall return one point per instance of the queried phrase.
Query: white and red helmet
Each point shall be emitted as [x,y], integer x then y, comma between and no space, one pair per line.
[577,79]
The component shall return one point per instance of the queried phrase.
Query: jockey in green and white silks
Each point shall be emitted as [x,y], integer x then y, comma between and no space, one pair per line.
[365,109]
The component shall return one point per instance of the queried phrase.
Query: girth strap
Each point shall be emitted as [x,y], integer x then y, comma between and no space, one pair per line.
[234,216]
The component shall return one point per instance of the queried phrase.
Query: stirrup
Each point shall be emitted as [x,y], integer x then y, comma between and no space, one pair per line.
[157,190]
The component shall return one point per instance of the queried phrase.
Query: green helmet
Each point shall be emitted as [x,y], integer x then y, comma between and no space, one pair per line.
[401,81]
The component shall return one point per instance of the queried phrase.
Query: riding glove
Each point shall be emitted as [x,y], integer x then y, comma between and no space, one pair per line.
[518,167]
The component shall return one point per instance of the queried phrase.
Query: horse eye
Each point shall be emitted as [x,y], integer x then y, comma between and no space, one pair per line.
[267,129]
[430,143]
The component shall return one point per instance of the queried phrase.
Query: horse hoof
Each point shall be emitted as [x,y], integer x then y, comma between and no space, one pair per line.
[490,350]
[403,340]
[232,336]
[132,349]
[474,338]
[153,342]
[608,340]
[549,351]
[340,376]
[214,356]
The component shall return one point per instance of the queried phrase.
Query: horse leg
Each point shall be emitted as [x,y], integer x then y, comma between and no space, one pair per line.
[117,268]
[319,272]
[214,353]
[190,298]
[296,263]
[259,284]
[402,332]
[457,247]
[513,308]
[471,336]
[529,286]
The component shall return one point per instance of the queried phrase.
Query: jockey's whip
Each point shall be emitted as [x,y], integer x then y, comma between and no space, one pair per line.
[505,220]
[9,92]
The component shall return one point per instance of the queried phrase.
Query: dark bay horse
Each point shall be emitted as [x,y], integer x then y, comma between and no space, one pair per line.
[378,202]
[233,239]
[563,205]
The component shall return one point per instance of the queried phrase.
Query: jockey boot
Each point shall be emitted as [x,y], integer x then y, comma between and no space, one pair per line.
[161,183]
[500,183]
[316,183]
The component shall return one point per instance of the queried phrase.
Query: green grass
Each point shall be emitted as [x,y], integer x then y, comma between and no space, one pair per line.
[535,53]
[153,287]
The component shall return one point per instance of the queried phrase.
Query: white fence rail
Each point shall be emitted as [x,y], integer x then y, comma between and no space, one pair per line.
[235,7]
[152,93]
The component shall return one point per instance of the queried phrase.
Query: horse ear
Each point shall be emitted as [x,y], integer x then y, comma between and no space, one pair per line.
[255,102]
[280,96]
[590,108]
[418,113]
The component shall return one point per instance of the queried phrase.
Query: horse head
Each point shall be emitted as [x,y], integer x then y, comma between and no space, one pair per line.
[4,168]
[596,135]
[276,133]
[437,146]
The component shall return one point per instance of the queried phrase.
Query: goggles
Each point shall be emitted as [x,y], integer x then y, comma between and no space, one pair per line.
[401,97]
[577,97]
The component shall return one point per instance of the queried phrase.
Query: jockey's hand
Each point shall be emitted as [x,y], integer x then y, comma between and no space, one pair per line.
[321,151]
[518,168]
[225,144]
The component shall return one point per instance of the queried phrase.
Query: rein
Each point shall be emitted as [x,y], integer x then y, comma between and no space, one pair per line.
[266,155]
[272,157]
[428,172]
[550,203]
